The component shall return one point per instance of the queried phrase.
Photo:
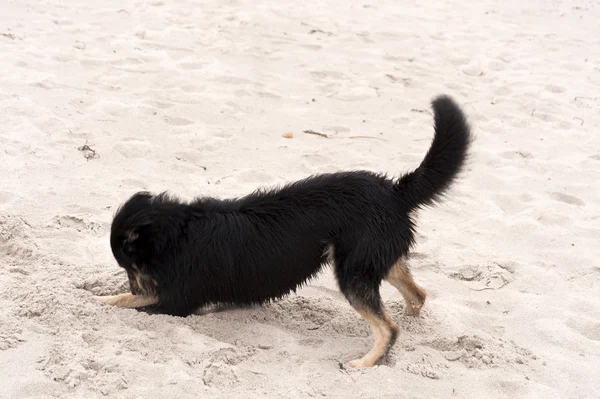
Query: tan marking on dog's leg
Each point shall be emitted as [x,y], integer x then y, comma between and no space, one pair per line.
[128,300]
[385,331]
[413,295]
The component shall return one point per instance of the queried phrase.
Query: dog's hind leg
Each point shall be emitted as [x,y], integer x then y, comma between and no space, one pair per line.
[128,300]
[384,330]
[366,300]
[399,276]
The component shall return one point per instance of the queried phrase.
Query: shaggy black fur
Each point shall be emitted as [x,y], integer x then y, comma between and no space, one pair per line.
[263,246]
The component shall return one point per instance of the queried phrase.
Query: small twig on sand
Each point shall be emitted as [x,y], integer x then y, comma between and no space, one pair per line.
[313,31]
[420,110]
[10,36]
[184,160]
[316,30]
[395,78]
[316,133]
[349,137]
[367,137]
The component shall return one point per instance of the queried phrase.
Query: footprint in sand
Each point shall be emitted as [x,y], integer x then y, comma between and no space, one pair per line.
[315,316]
[477,352]
[404,121]
[312,342]
[517,155]
[336,129]
[316,159]
[192,65]
[194,158]
[222,135]
[192,89]
[266,94]
[106,283]
[503,91]
[255,177]
[134,183]
[586,102]
[131,149]
[233,80]
[588,328]
[322,75]
[458,61]
[80,224]
[163,105]
[488,277]
[555,89]
[566,198]
[127,61]
[15,239]
[176,121]
[546,117]
[11,337]
[508,203]
[242,93]
[6,197]
[219,375]
[314,47]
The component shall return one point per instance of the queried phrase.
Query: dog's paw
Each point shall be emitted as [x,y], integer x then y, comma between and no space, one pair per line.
[356,364]
[414,311]
[413,307]
[104,299]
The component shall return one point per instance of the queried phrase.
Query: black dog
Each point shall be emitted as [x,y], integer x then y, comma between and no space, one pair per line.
[180,256]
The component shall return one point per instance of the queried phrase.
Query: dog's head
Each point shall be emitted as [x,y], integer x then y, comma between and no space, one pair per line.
[143,232]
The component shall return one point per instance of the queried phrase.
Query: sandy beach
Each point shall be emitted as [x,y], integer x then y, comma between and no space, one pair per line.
[99,100]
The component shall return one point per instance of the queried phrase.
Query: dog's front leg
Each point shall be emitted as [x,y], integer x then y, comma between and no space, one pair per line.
[128,300]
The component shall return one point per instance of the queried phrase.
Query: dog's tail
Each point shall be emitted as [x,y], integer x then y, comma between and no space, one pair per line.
[444,160]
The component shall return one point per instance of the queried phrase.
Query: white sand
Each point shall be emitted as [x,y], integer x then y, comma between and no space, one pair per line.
[193,97]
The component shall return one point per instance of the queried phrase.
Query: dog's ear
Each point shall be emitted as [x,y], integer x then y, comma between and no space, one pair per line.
[129,245]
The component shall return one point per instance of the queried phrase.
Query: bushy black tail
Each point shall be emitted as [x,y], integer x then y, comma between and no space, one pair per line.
[443,161]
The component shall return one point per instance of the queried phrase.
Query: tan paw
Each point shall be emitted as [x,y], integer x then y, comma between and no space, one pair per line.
[104,299]
[413,308]
[357,364]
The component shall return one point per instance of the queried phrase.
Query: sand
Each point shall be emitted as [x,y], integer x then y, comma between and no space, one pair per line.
[195,98]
